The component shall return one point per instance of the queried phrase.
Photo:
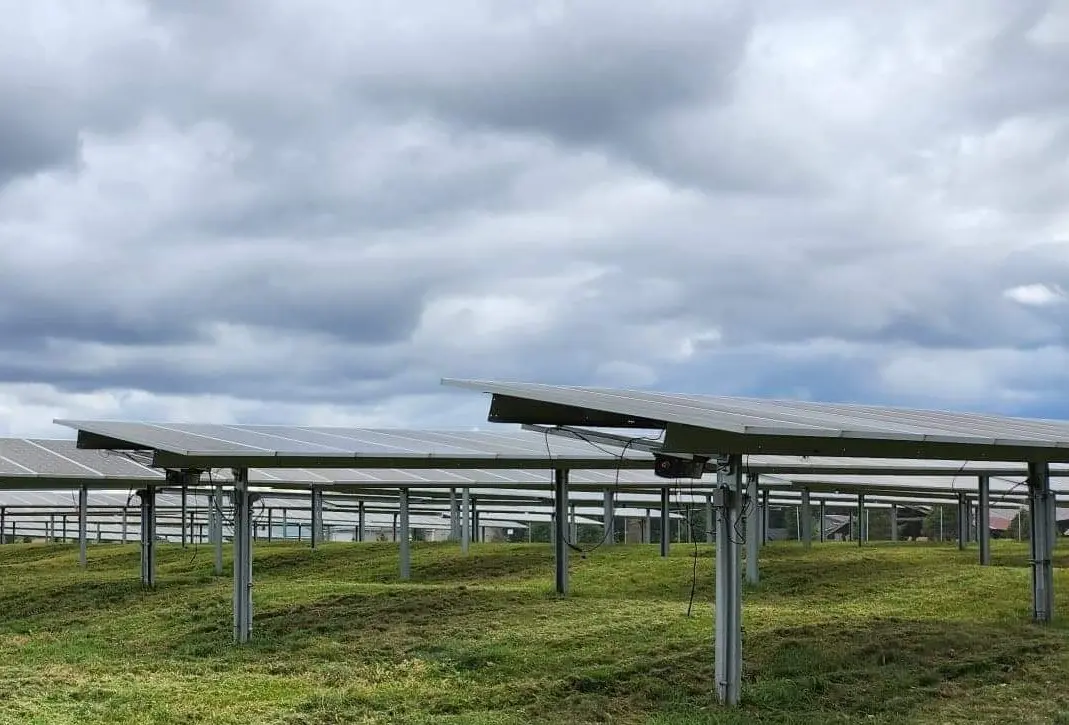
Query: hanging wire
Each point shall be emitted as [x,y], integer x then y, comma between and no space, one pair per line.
[620,457]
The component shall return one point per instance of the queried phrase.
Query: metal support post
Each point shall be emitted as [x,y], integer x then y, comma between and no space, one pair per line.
[560,521]
[216,528]
[1039,503]
[963,522]
[83,525]
[184,515]
[806,527]
[270,525]
[753,530]
[862,534]
[454,516]
[3,526]
[647,529]
[608,523]
[148,536]
[242,556]
[763,519]
[983,523]
[894,522]
[728,626]
[125,525]
[406,562]
[823,521]
[317,516]
[361,522]
[1053,507]
[666,521]
[709,528]
[465,520]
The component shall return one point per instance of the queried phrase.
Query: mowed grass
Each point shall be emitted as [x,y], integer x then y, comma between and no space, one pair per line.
[908,633]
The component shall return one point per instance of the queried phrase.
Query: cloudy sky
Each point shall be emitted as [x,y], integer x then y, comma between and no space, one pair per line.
[280,211]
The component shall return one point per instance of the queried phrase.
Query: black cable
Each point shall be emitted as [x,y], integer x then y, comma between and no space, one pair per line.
[620,457]
[694,540]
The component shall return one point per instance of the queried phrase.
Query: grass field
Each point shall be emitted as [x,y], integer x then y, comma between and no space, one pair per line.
[885,634]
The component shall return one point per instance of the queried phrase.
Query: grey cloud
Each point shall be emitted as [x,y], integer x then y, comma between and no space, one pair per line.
[334,192]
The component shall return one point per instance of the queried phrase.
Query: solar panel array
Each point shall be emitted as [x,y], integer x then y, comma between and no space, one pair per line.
[759,417]
[352,447]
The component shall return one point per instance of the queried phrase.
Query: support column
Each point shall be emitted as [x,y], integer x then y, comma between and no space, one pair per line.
[465,520]
[823,521]
[765,518]
[963,521]
[1039,504]
[753,530]
[83,525]
[361,522]
[242,556]
[125,525]
[405,553]
[148,536]
[894,522]
[608,519]
[862,534]
[709,529]
[270,525]
[666,523]
[983,523]
[560,520]
[1053,520]
[216,525]
[317,516]
[454,516]
[184,514]
[728,626]
[3,526]
[806,527]
[647,529]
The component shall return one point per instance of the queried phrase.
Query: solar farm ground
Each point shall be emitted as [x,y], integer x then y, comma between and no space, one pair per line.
[908,633]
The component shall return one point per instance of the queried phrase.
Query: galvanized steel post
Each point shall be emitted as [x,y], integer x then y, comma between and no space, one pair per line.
[728,625]
[148,536]
[465,520]
[560,518]
[666,523]
[963,522]
[406,563]
[317,516]
[983,523]
[752,519]
[1039,504]
[608,533]
[862,534]
[83,525]
[806,528]
[242,556]
[709,528]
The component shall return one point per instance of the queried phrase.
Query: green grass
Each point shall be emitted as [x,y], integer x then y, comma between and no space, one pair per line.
[885,634]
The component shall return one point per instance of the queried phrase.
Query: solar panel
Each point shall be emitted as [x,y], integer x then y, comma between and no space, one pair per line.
[711,424]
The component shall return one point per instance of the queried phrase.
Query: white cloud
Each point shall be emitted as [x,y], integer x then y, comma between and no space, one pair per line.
[1035,295]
